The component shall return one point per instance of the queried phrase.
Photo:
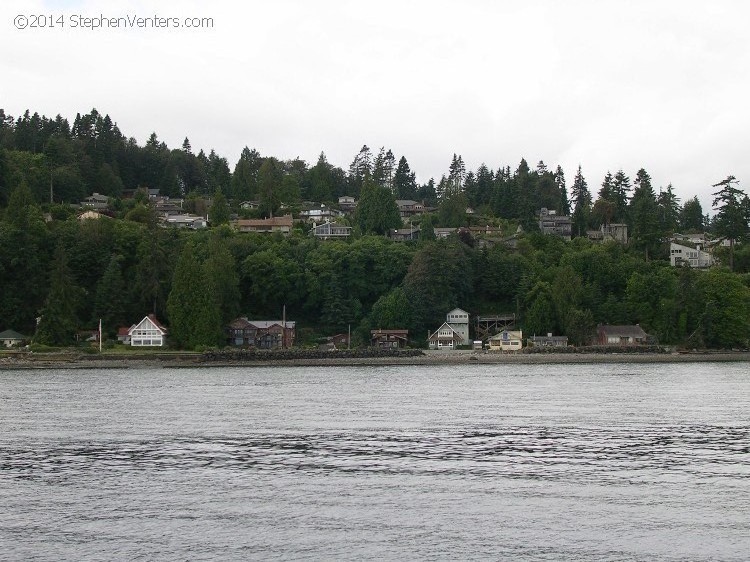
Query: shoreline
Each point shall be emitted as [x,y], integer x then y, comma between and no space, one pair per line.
[428,357]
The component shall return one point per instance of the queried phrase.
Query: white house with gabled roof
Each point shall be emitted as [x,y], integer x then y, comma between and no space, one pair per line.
[147,333]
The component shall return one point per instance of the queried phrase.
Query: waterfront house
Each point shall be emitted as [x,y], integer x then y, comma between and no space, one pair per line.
[389,339]
[621,335]
[263,334]
[547,341]
[10,338]
[445,337]
[149,332]
[507,341]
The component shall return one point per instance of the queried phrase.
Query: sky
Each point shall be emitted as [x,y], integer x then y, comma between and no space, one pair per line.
[604,84]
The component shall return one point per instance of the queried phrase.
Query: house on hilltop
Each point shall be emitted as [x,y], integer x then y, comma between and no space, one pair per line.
[282,225]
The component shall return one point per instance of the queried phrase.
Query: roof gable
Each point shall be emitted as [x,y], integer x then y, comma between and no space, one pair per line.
[148,323]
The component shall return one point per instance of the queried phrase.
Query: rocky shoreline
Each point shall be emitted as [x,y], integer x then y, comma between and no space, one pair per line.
[360,357]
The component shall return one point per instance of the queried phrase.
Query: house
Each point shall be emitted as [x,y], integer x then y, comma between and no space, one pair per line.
[263,334]
[92,215]
[621,335]
[347,203]
[459,320]
[553,224]
[191,222]
[507,341]
[10,338]
[147,333]
[408,208]
[338,341]
[96,202]
[444,232]
[250,205]
[445,337]
[389,339]
[330,230]
[612,232]
[282,225]
[404,234]
[694,256]
[547,341]
[318,214]
[123,336]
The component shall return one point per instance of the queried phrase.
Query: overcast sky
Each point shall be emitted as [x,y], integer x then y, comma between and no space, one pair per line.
[608,85]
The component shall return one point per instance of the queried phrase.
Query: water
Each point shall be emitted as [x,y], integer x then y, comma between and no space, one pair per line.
[584,462]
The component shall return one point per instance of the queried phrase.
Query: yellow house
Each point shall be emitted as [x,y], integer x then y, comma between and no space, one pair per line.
[507,340]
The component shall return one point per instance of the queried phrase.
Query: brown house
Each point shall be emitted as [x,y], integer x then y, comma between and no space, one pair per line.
[282,225]
[263,334]
[387,339]
[621,335]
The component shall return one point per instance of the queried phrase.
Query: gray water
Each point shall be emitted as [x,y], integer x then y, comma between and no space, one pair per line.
[552,462]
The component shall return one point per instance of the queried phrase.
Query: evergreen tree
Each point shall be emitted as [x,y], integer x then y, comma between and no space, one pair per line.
[359,169]
[404,181]
[564,206]
[245,176]
[669,210]
[194,318]
[270,178]
[691,216]
[59,321]
[621,188]
[644,212]
[110,305]
[732,219]
[218,213]
[581,203]
[456,177]
[221,269]
[377,211]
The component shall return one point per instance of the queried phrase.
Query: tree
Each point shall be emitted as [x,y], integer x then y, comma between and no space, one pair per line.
[620,192]
[732,218]
[452,211]
[564,206]
[581,203]
[245,176]
[669,210]
[59,321]
[691,216]
[221,269]
[110,303]
[644,212]
[377,211]
[194,318]
[404,181]
[391,311]
[456,176]
[270,177]
[218,213]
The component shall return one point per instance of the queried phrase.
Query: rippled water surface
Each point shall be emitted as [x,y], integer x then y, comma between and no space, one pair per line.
[584,462]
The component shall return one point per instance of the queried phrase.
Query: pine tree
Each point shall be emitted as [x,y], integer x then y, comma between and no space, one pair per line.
[620,192]
[218,213]
[581,198]
[456,177]
[644,212]
[59,321]
[109,305]
[691,216]
[404,181]
[564,207]
[732,218]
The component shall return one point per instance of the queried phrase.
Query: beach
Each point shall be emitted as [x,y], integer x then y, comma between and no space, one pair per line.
[74,360]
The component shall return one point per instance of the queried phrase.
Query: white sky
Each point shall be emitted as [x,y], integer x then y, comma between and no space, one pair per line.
[615,84]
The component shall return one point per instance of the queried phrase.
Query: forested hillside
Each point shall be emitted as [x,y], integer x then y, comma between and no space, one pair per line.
[69,273]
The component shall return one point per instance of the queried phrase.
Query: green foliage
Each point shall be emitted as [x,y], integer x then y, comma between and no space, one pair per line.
[218,214]
[58,322]
[377,211]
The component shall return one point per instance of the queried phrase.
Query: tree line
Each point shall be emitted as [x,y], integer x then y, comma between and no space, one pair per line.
[62,274]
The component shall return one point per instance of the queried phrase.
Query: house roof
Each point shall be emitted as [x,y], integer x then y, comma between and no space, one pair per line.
[624,331]
[285,220]
[151,318]
[507,335]
[243,322]
[11,335]
[455,336]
